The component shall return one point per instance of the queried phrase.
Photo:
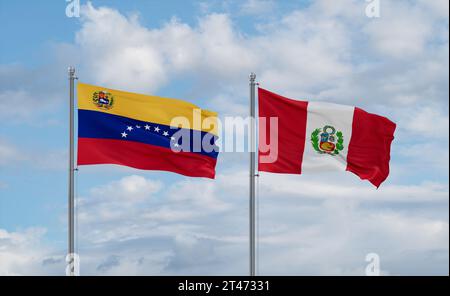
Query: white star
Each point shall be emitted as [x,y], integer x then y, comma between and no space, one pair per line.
[172,138]
[165,133]
[138,126]
[130,128]
[176,145]
[124,135]
[147,127]
[157,129]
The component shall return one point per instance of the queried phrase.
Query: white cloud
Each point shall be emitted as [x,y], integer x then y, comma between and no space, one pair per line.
[12,155]
[440,8]
[9,153]
[426,121]
[423,156]
[397,33]
[304,227]
[201,193]
[30,95]
[24,253]
[116,200]
[9,100]
[351,233]
[144,59]
[345,186]
[132,188]
[297,52]
[195,225]
[315,53]
[133,199]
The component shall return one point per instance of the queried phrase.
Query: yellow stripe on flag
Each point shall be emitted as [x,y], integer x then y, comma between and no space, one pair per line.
[143,107]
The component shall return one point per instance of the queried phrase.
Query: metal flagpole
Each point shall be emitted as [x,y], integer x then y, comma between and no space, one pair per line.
[252,205]
[71,207]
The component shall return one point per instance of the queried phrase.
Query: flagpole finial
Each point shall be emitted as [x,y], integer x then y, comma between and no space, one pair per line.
[71,71]
[252,76]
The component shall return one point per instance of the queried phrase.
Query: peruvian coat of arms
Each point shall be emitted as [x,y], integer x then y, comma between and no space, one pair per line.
[327,140]
[103,99]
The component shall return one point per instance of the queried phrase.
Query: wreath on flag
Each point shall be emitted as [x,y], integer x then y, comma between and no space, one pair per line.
[315,141]
[103,99]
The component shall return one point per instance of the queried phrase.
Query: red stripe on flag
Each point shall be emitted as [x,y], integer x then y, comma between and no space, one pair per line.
[292,117]
[144,156]
[370,146]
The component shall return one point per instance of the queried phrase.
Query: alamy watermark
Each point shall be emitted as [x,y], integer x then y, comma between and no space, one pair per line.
[373,8]
[373,268]
[72,264]
[73,8]
[211,134]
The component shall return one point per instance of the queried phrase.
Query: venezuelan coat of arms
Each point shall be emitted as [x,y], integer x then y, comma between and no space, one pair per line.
[103,99]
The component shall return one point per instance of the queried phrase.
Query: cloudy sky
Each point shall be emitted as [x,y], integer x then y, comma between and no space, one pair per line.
[155,223]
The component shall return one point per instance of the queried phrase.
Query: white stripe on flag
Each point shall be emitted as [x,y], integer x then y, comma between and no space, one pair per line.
[320,114]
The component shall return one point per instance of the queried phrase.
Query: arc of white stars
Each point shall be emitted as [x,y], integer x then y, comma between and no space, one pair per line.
[148,128]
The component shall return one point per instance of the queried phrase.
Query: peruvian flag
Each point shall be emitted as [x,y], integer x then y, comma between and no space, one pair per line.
[307,137]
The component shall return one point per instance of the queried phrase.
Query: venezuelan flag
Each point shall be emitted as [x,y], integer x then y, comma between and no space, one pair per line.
[123,128]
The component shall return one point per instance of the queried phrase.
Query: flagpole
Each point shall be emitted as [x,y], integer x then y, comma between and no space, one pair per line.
[252,205]
[71,201]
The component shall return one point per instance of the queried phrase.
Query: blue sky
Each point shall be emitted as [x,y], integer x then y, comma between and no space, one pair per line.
[135,222]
